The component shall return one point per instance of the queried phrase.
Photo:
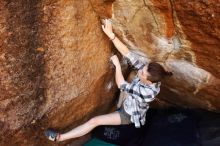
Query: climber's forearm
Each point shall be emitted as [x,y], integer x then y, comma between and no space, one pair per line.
[119,78]
[107,28]
[120,46]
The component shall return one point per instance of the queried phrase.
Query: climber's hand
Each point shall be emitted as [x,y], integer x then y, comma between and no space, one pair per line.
[107,28]
[115,60]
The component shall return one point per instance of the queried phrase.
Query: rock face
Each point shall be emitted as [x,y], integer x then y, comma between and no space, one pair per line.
[54,68]
[184,37]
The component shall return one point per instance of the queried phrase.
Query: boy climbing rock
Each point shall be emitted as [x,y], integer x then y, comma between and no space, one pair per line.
[138,93]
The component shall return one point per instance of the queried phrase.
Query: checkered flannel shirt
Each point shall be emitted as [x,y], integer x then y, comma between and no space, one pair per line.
[138,95]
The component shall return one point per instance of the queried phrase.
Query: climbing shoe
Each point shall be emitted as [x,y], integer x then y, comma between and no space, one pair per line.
[52,135]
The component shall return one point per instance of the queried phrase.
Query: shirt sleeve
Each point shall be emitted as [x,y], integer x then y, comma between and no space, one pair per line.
[126,87]
[137,63]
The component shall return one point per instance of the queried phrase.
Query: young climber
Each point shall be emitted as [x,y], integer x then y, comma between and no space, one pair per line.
[142,90]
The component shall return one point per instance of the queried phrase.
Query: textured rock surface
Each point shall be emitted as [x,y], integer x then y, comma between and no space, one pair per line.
[184,37]
[54,69]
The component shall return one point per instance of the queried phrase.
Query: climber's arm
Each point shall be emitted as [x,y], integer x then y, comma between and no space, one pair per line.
[107,28]
[119,78]
[122,48]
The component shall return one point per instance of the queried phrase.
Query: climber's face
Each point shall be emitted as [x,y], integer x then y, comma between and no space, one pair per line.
[143,74]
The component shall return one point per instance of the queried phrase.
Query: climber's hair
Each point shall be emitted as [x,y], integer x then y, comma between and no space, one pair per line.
[157,72]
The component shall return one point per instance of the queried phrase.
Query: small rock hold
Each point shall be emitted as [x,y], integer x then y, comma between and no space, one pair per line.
[40,49]
[33,122]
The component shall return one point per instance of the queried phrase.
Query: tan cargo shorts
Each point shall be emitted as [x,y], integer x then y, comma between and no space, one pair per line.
[125,117]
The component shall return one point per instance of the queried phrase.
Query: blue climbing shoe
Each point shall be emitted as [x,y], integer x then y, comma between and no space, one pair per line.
[51,135]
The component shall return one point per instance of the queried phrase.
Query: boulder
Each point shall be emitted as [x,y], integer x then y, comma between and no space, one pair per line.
[54,59]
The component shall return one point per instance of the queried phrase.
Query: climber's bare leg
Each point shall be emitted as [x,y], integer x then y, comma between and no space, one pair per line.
[108,119]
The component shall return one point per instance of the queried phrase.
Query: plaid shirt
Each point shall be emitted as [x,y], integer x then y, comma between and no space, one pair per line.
[138,94]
